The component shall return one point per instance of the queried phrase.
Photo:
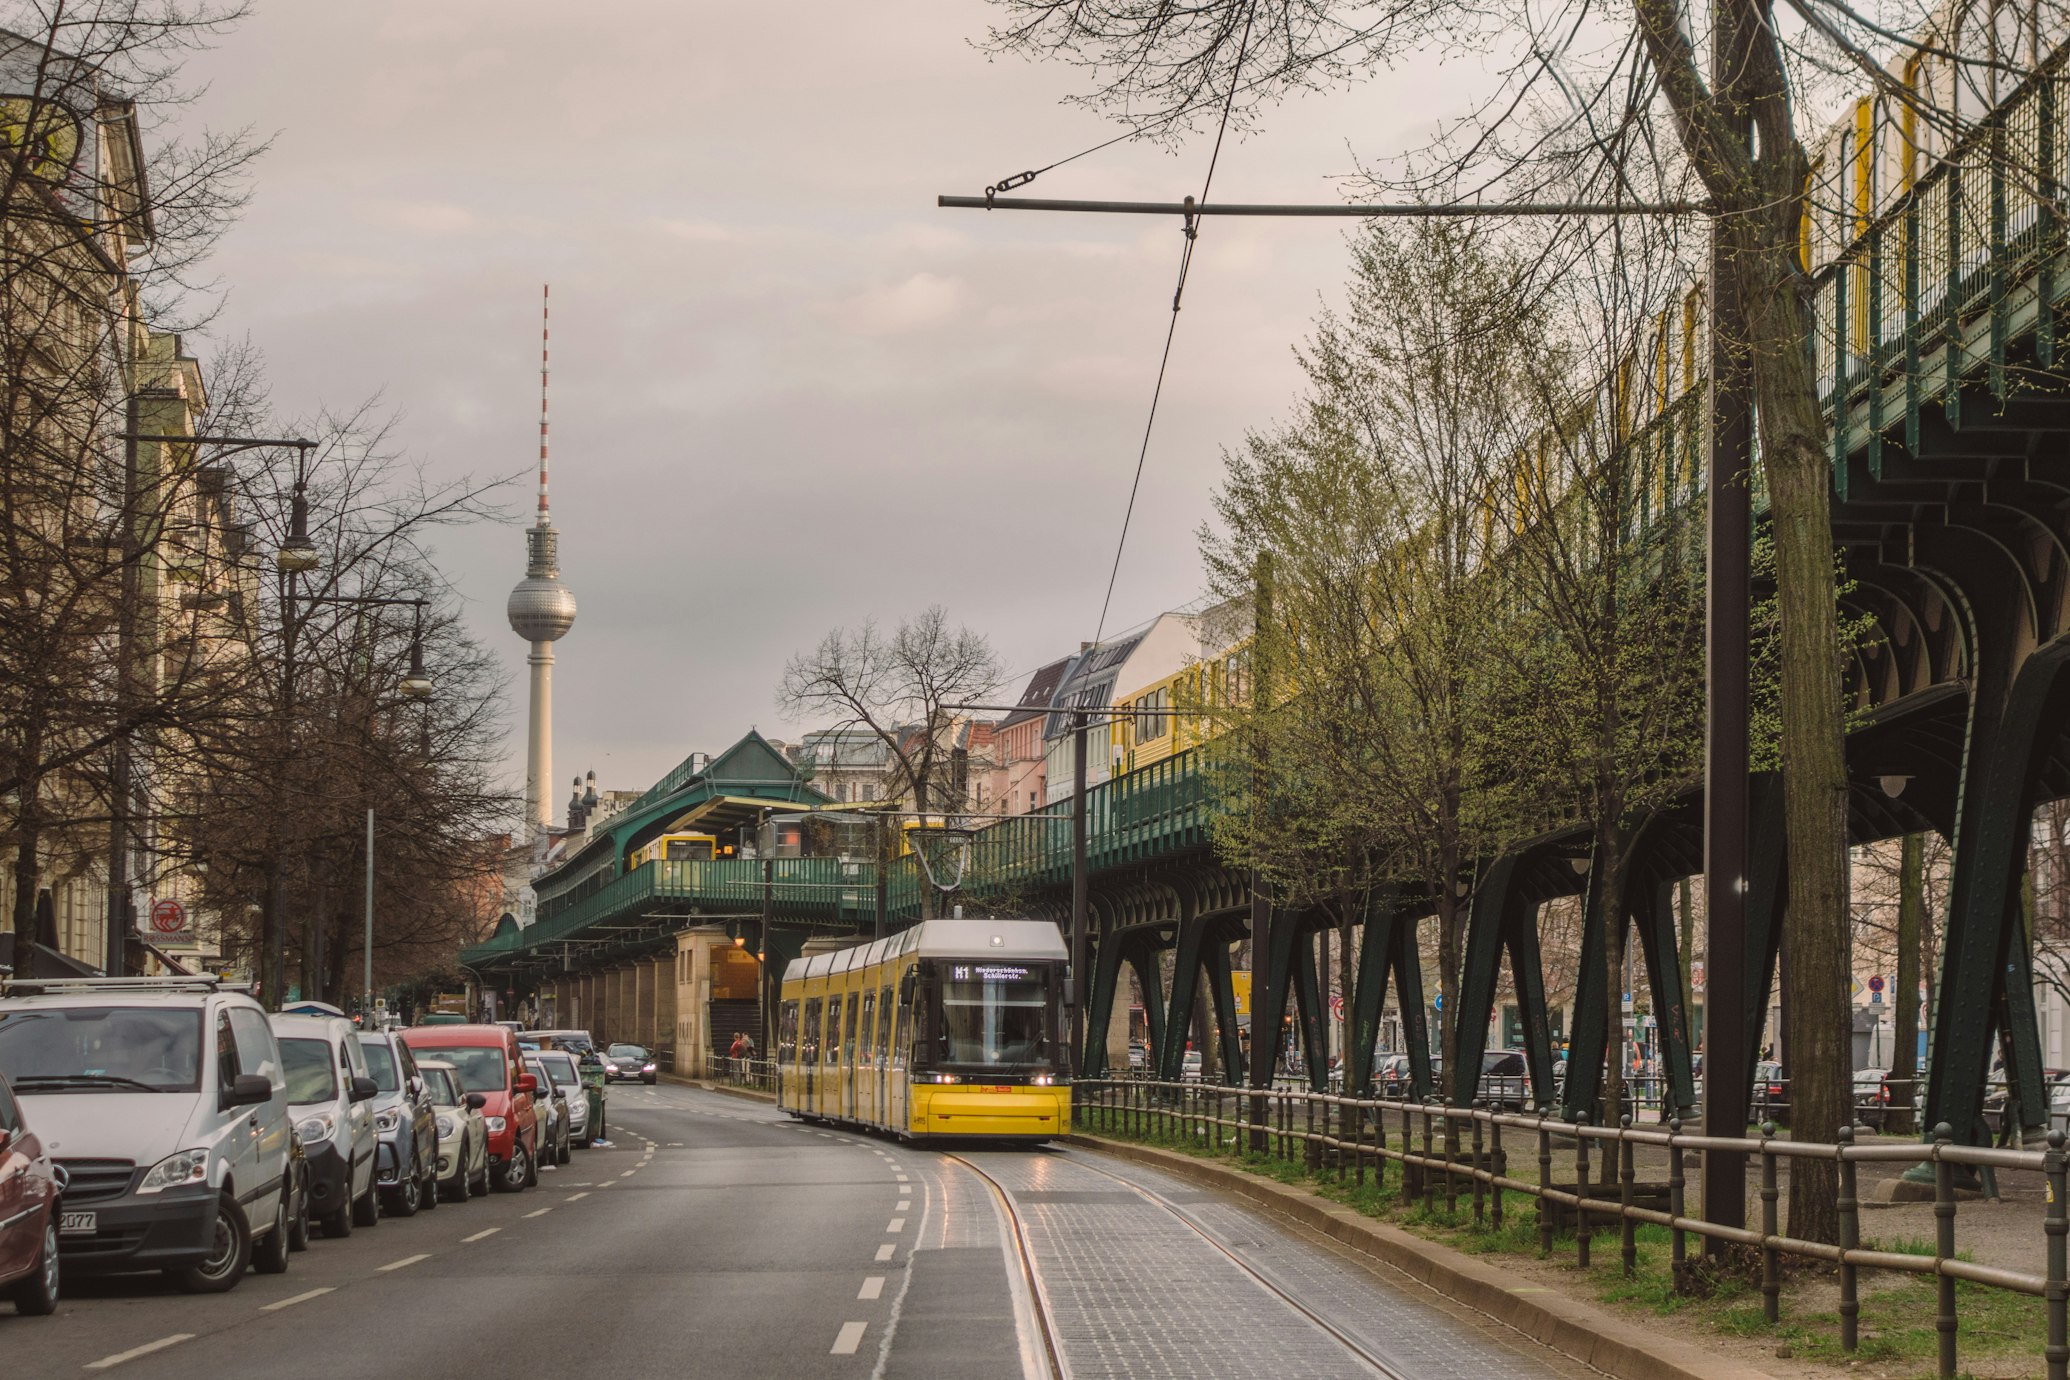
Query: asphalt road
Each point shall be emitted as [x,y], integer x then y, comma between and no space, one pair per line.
[717,1237]
[709,1239]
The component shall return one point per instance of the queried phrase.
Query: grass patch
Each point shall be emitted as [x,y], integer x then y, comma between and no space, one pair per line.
[1898,1311]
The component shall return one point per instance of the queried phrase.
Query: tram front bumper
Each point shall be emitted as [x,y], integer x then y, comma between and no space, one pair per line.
[993,1111]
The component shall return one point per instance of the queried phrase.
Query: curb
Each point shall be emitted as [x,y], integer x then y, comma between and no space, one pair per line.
[1568,1326]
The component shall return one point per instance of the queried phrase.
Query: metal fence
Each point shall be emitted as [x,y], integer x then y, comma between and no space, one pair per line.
[1454,1152]
[758,1074]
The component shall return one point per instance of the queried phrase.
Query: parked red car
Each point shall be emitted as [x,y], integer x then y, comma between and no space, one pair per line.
[29,1188]
[490,1064]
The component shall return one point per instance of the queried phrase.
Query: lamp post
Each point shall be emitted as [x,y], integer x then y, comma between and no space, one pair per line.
[121,784]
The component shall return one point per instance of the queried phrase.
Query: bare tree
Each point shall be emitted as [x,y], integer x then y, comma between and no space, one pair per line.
[900,688]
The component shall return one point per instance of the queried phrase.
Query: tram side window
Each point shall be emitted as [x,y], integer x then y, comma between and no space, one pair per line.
[833,1045]
[848,1037]
[787,1033]
[883,1025]
[810,1052]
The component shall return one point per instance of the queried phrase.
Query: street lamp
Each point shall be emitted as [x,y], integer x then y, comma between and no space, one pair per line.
[297,554]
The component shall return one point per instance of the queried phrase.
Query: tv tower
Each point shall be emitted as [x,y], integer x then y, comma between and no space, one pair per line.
[541,610]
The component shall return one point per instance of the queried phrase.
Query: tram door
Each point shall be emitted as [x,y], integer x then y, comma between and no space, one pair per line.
[808,1058]
[853,1054]
[883,1054]
[866,1060]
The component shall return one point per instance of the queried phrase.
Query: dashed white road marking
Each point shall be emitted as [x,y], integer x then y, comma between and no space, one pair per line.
[163,1342]
[572,1197]
[398,1264]
[898,1224]
[905,1206]
[849,1339]
[540,1213]
[278,1304]
[628,1173]
[479,1235]
[884,1251]
[873,1287]
[902,1178]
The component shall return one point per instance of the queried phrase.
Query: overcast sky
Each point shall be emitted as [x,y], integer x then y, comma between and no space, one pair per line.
[788,392]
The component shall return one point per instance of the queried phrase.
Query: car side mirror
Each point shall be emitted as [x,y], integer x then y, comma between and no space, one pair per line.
[248,1090]
[364,1088]
[477,1100]
[526,1083]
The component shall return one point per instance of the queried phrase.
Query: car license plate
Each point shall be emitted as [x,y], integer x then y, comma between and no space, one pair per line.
[77,1223]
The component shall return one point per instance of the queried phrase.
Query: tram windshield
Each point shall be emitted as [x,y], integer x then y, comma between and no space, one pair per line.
[996,1016]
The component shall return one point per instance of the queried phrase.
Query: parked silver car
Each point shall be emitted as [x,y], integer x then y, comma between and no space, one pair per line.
[566,1080]
[556,1138]
[165,1103]
[332,1095]
[463,1133]
[406,1155]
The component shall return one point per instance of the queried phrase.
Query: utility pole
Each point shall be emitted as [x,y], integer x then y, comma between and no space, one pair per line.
[367,959]
[1727,542]
[1078,894]
[116,958]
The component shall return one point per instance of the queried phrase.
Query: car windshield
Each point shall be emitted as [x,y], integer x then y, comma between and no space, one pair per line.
[624,1052]
[996,1015]
[381,1064]
[439,1084]
[561,1069]
[312,1070]
[62,1049]
[481,1066]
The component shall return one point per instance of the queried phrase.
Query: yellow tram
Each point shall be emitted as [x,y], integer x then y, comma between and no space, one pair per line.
[950,1028]
[679,847]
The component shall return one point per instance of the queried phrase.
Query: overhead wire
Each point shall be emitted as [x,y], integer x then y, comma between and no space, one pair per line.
[1192,235]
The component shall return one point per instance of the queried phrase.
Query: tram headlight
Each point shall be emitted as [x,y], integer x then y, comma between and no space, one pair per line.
[945,1078]
[1043,1080]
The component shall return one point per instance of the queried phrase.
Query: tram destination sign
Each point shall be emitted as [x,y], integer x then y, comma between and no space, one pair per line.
[989,972]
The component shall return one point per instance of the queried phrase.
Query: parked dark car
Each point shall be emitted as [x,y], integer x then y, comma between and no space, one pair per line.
[406,1157]
[29,1213]
[1871,1097]
[1505,1080]
[1771,1093]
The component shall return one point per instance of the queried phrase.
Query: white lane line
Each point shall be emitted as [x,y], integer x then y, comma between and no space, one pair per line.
[541,1213]
[906,1206]
[884,1251]
[479,1235]
[675,1145]
[628,1173]
[850,1338]
[398,1264]
[278,1304]
[608,1183]
[873,1287]
[902,1178]
[572,1197]
[163,1342]
[898,1224]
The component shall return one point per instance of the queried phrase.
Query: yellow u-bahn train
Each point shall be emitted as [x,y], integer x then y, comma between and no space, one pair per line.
[948,1029]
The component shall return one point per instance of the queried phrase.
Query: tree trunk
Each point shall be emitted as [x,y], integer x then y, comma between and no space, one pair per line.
[1448,909]
[28,838]
[1610,915]
[1904,1063]
[1813,726]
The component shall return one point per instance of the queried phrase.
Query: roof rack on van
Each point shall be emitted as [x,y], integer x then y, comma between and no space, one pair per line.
[85,985]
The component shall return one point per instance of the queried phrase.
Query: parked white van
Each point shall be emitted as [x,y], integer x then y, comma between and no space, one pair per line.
[166,1102]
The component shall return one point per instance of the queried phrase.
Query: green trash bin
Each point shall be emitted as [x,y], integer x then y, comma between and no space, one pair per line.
[592,1067]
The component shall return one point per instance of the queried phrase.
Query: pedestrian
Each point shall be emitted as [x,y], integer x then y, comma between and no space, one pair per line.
[734,1055]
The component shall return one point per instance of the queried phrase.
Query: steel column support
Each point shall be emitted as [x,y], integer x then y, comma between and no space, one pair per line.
[1308,1003]
[1106,977]
[1221,982]
[1369,998]
[1660,948]
[1588,1034]
[1272,974]
[1171,1061]
[1984,959]
[1150,977]
[1408,986]
[1480,969]
[1527,970]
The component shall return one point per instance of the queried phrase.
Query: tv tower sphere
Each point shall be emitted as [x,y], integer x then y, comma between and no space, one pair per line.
[541,608]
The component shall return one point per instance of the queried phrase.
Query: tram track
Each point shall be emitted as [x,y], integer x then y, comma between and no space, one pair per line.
[1031,1269]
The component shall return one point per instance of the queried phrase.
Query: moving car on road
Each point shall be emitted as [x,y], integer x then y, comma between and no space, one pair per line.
[332,1096]
[489,1063]
[166,1102]
[463,1136]
[629,1062]
[29,1186]
[406,1158]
